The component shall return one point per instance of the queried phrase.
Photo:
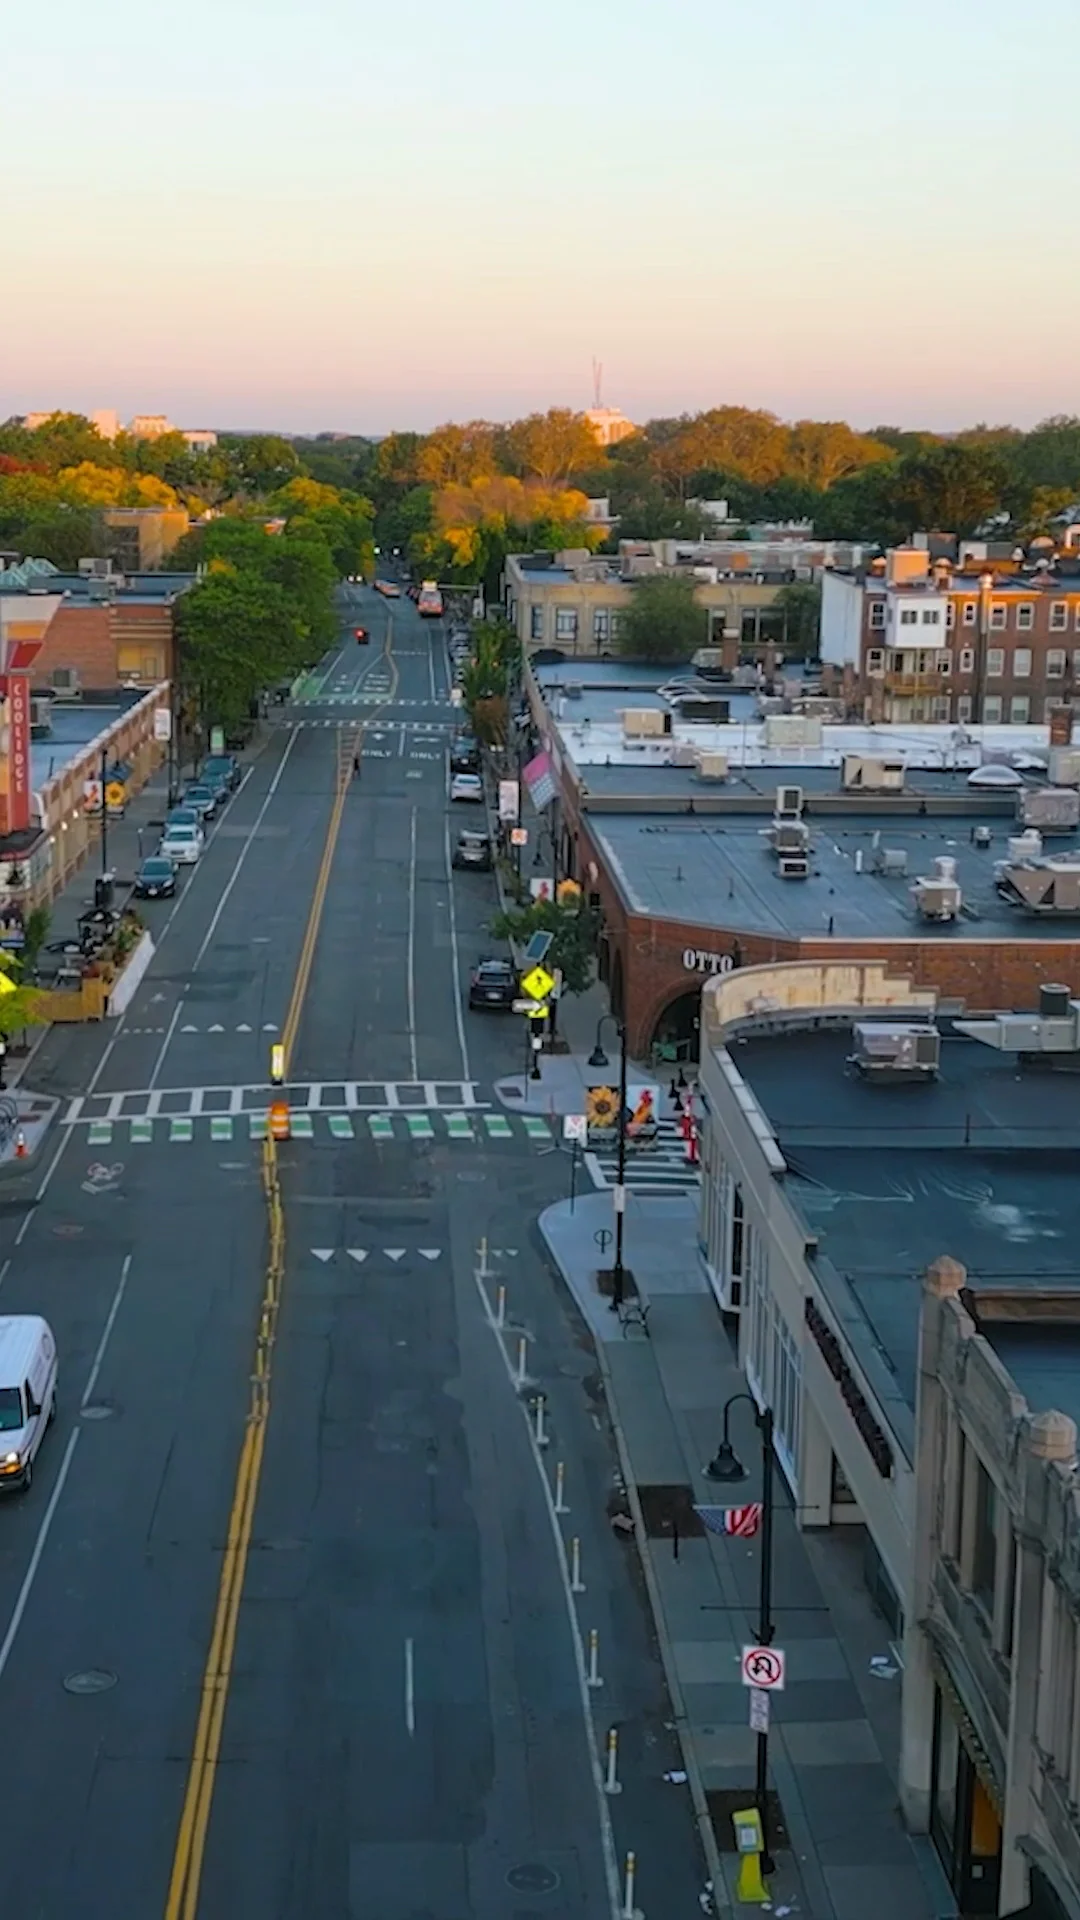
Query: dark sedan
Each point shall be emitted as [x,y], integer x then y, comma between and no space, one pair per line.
[156,879]
[493,986]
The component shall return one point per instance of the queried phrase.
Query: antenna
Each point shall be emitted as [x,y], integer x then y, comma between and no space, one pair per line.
[597,382]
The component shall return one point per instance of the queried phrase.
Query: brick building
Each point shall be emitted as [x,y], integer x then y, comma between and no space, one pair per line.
[917,639]
[109,633]
[685,868]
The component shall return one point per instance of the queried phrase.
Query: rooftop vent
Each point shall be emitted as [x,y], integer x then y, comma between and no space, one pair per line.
[1050,809]
[937,896]
[892,862]
[896,1055]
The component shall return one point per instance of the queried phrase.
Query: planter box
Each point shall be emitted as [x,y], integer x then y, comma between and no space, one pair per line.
[127,981]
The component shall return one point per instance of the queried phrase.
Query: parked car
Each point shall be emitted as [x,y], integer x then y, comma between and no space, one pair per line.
[223,766]
[182,845]
[182,817]
[156,878]
[28,1380]
[473,850]
[203,798]
[467,786]
[493,984]
[465,757]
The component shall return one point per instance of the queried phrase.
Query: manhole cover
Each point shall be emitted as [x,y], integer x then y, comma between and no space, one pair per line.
[532,1878]
[92,1680]
[68,1232]
[98,1410]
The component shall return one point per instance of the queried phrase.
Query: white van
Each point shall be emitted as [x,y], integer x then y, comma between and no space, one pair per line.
[27,1394]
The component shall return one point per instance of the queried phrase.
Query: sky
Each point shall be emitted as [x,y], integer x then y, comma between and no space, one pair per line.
[319,216]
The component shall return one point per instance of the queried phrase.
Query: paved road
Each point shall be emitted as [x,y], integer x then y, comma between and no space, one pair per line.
[406,1732]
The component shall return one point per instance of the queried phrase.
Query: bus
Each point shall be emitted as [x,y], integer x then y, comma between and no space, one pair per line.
[429,601]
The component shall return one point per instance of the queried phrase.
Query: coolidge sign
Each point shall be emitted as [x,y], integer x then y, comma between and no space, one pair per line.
[696,960]
[24,621]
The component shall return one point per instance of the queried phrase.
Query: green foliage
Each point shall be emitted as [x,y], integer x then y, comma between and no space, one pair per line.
[265,461]
[801,605]
[663,620]
[239,632]
[573,929]
[36,931]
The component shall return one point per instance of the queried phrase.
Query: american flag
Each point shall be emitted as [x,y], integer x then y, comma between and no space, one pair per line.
[743,1522]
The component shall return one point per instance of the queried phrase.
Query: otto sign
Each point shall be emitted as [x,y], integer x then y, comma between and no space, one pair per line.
[696,960]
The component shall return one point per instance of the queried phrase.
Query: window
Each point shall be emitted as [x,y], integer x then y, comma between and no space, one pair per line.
[566,623]
[995,662]
[1055,663]
[950,614]
[984,1542]
[998,616]
[877,613]
[875,660]
[1020,710]
[969,613]
[908,616]
[944,660]
[992,709]
[931,616]
[1021,663]
[1076,616]
[939,706]
[536,623]
[773,1364]
[1076,663]
[967,659]
[963,706]
[616,623]
[11,1410]
[600,625]
[1025,617]
[1059,615]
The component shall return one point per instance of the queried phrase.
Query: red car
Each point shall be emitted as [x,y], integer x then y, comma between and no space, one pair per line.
[361,636]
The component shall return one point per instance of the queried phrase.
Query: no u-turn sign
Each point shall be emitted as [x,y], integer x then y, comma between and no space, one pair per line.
[763,1667]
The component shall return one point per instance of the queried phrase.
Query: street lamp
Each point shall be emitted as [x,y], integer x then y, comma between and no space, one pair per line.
[598,1058]
[726,1466]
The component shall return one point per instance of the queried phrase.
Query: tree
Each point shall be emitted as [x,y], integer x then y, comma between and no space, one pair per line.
[663,620]
[66,440]
[573,930]
[550,447]
[238,634]
[88,485]
[800,604]
[951,488]
[65,536]
[478,525]
[820,452]
[23,1006]
[454,455]
[265,461]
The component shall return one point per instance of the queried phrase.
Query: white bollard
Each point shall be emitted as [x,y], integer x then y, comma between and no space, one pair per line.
[541,1435]
[594,1658]
[629,1911]
[523,1354]
[484,1269]
[577,1584]
[500,1308]
[612,1783]
[560,1481]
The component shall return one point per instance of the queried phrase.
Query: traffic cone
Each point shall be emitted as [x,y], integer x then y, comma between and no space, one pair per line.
[20,1145]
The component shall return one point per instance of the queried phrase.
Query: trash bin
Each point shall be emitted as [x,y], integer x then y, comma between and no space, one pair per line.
[103,893]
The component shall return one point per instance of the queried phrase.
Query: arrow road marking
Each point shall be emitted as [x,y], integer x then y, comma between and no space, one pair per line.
[428,1253]
[357,1253]
[394,1253]
[323,1253]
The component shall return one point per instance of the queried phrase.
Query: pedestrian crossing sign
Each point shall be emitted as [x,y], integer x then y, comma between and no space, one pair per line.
[537,983]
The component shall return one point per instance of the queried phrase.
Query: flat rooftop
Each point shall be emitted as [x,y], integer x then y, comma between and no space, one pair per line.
[73,728]
[979,1165]
[721,871]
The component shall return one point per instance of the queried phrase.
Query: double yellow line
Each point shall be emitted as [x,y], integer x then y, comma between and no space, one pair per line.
[182,1902]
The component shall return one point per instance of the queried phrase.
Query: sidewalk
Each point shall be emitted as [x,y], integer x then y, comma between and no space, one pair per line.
[847,1855]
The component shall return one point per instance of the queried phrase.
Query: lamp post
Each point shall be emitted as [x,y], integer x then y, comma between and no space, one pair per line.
[726,1466]
[598,1058]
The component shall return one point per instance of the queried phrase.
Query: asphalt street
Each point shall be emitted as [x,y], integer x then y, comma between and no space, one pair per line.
[406,1731]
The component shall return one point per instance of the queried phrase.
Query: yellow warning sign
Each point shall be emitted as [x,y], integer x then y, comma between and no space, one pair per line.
[7,984]
[537,983]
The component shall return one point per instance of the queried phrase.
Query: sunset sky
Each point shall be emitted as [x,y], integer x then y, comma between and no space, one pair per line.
[331,215]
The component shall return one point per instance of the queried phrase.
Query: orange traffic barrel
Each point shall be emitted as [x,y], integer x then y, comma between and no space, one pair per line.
[279,1120]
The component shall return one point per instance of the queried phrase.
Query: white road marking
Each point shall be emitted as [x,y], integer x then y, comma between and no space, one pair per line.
[107,1333]
[222,903]
[455,957]
[412,945]
[410,1689]
[39,1547]
[607,1837]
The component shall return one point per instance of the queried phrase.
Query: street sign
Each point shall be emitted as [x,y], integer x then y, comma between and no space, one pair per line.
[537,983]
[519,837]
[456,696]
[537,949]
[759,1709]
[575,1129]
[764,1668]
[217,739]
[534,1008]
[162,723]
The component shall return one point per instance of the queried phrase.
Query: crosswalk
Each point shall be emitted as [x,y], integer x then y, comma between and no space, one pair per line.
[475,1128]
[659,1169]
[307,1096]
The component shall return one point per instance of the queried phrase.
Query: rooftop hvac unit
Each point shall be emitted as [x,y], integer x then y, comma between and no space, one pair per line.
[1051,809]
[896,1055]
[712,766]
[684,754]
[1025,846]
[982,836]
[789,836]
[641,722]
[1065,766]
[1049,889]
[789,803]
[574,690]
[891,862]
[937,896]
[65,681]
[793,866]
[860,773]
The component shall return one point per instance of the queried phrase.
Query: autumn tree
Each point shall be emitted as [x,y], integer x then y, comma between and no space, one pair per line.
[455,455]
[550,447]
[820,452]
[663,620]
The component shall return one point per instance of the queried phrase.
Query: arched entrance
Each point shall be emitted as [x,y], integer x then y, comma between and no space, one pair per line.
[675,1031]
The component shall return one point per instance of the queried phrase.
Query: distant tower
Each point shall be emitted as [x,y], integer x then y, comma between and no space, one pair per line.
[607,423]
